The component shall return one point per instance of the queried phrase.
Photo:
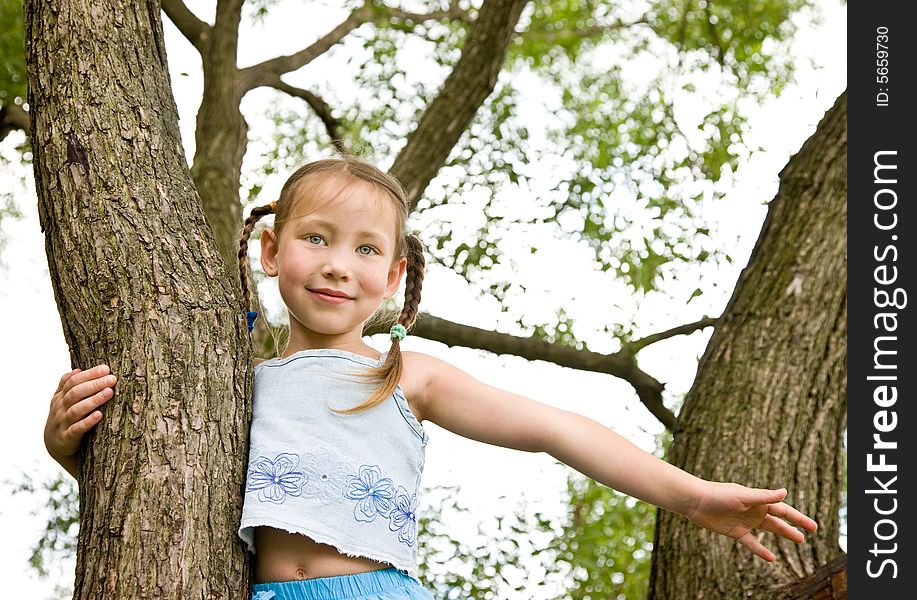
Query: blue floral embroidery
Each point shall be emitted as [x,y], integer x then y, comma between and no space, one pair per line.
[373,493]
[404,516]
[275,479]
[376,496]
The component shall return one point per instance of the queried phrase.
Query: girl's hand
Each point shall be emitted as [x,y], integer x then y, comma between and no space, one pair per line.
[735,510]
[74,411]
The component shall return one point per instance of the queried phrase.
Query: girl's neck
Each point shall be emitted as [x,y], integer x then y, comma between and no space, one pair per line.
[310,340]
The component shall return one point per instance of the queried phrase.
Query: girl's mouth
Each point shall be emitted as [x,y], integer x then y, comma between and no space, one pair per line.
[330,296]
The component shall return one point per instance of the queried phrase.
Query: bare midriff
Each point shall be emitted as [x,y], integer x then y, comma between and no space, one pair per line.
[283,556]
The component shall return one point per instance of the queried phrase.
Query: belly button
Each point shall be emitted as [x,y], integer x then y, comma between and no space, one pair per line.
[300,573]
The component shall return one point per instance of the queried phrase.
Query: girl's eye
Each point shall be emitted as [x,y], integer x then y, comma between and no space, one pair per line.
[367,250]
[314,239]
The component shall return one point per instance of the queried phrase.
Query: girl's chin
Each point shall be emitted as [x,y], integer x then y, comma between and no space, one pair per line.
[329,329]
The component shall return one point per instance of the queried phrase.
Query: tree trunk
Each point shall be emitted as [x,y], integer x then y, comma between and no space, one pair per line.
[768,407]
[141,286]
[220,137]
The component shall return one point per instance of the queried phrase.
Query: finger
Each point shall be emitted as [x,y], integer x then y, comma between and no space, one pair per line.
[83,408]
[781,528]
[84,390]
[754,496]
[80,428]
[751,542]
[64,378]
[84,376]
[791,515]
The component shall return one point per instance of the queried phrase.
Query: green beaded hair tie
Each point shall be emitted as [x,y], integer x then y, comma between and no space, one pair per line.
[398,332]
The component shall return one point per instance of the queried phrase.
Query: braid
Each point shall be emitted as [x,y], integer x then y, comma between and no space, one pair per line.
[253,218]
[413,280]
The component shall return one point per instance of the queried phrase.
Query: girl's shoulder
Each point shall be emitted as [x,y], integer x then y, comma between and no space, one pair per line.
[419,370]
[422,361]
[413,376]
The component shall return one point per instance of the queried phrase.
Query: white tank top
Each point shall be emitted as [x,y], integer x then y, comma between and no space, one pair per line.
[350,481]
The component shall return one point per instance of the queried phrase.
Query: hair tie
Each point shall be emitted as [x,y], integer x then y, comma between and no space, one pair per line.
[398,332]
[274,206]
[251,316]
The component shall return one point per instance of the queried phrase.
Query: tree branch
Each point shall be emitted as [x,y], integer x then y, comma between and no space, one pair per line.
[226,26]
[260,74]
[827,583]
[620,364]
[12,117]
[469,84]
[319,106]
[194,29]
[637,345]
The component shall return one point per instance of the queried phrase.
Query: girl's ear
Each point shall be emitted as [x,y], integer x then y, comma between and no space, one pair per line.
[394,276]
[269,252]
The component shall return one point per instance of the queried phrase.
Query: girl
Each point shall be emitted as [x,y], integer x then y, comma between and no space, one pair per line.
[337,442]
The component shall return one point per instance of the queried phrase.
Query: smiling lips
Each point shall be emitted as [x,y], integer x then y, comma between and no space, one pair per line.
[330,296]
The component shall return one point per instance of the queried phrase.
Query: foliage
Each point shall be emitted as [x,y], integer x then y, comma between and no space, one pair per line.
[601,548]
[454,567]
[607,544]
[12,91]
[8,210]
[58,541]
[12,52]
[621,82]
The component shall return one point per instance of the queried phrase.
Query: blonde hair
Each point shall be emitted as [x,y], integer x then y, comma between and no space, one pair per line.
[310,177]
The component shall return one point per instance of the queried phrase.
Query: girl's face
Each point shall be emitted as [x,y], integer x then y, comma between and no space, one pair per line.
[336,260]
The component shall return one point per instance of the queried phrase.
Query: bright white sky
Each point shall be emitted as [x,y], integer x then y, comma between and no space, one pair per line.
[34,354]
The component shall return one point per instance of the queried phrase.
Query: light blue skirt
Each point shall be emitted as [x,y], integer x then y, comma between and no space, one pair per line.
[385,584]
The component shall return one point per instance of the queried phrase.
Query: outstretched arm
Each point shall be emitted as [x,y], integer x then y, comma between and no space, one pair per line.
[456,401]
[727,508]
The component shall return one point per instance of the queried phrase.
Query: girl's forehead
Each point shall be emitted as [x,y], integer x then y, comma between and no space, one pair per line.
[343,199]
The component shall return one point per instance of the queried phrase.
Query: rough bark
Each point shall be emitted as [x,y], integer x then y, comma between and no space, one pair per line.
[768,407]
[140,286]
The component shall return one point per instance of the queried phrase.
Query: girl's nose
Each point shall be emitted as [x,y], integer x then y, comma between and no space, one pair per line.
[337,264]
